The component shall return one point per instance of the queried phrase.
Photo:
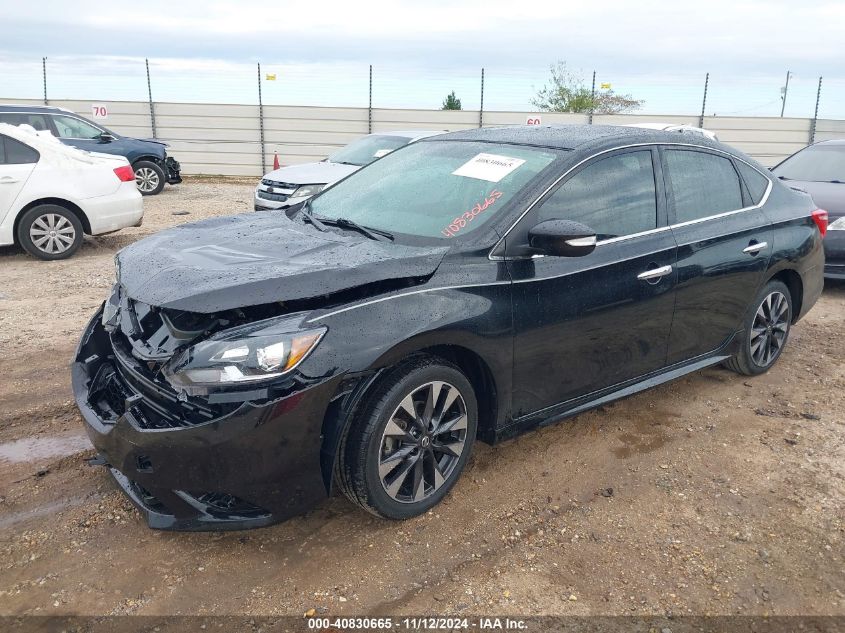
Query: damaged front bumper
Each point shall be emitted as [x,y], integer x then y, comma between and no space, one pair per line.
[173,170]
[189,465]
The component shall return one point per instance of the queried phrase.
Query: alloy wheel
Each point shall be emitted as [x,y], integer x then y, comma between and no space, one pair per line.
[423,442]
[146,179]
[52,233]
[769,329]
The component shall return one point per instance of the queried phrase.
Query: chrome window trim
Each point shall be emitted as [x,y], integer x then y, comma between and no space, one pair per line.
[622,238]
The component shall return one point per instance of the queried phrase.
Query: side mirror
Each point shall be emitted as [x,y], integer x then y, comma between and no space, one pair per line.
[562,238]
[105,137]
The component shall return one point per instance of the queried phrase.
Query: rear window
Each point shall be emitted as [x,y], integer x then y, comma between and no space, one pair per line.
[702,184]
[817,163]
[756,182]
[13,152]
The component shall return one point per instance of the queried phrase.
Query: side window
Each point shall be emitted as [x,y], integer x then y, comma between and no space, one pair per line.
[754,180]
[702,184]
[71,127]
[2,150]
[38,121]
[614,196]
[16,153]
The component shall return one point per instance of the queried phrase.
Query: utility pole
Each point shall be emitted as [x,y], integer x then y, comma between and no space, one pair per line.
[370,111]
[150,95]
[816,114]
[784,90]
[261,123]
[704,100]
[592,99]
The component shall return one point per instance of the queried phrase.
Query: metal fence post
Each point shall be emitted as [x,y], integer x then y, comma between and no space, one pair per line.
[261,122]
[150,94]
[704,100]
[44,77]
[370,109]
[592,99]
[785,90]
[481,107]
[816,113]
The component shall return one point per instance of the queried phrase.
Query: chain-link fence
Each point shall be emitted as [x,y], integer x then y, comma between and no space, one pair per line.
[404,86]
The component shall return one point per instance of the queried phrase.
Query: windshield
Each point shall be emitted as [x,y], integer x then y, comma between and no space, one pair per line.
[364,151]
[439,189]
[818,163]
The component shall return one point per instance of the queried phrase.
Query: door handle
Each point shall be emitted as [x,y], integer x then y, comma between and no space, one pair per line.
[655,273]
[756,247]
[8,180]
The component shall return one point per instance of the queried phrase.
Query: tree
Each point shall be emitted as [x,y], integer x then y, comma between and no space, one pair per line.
[451,102]
[567,92]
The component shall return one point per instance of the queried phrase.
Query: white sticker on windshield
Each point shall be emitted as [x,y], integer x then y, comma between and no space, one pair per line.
[382,152]
[491,167]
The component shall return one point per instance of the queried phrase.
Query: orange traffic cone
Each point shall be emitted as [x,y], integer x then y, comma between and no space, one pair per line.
[275,160]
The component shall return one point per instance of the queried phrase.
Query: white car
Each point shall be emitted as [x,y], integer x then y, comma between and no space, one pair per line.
[50,194]
[288,186]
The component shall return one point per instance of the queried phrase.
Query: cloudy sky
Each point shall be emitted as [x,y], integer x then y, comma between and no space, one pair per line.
[321,48]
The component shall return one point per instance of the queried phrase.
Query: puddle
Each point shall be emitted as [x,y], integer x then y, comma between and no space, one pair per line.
[33,449]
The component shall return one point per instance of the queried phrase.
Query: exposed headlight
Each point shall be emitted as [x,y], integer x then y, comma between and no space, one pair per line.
[837,225]
[307,190]
[239,358]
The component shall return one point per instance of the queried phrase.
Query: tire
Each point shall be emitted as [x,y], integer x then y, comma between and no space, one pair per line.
[766,331]
[149,177]
[50,232]
[391,488]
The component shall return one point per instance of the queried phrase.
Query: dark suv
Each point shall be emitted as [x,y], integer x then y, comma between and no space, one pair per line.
[149,159]
[469,285]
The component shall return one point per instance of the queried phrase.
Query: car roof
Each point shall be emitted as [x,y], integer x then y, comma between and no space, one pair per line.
[831,141]
[10,107]
[575,136]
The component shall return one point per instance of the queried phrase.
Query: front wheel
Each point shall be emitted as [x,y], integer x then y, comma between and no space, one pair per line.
[149,177]
[766,331]
[412,438]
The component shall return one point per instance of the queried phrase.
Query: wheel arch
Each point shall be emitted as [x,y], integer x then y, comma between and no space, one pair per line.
[792,280]
[60,202]
[352,392]
[150,158]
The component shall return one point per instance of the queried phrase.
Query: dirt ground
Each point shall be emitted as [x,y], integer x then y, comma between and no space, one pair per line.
[715,494]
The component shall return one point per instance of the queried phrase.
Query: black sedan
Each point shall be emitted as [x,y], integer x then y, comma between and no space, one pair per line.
[820,171]
[470,285]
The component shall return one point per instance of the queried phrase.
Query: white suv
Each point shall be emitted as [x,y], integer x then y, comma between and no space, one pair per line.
[50,194]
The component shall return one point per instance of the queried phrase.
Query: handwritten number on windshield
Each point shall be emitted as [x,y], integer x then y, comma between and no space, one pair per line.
[461,221]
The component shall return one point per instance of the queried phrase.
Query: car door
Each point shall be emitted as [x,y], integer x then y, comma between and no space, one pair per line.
[16,164]
[724,244]
[583,324]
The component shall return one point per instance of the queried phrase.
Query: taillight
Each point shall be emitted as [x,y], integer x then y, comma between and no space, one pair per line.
[820,218]
[126,174]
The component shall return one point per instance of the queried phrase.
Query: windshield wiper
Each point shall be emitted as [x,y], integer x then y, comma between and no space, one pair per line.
[308,216]
[374,234]
[344,162]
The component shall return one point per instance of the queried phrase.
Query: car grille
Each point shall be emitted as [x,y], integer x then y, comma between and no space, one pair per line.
[275,197]
[278,184]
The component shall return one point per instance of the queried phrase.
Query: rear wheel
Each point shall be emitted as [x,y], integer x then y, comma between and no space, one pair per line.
[149,177]
[766,331]
[49,231]
[408,445]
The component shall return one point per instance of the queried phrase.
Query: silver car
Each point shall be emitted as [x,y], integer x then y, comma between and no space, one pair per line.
[285,187]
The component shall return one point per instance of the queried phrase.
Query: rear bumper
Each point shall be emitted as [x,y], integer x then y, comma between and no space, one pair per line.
[120,210]
[253,465]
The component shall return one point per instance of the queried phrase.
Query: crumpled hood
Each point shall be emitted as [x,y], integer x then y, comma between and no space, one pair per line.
[246,260]
[312,173]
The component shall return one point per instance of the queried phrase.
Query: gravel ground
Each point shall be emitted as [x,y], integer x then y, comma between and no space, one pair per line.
[715,494]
